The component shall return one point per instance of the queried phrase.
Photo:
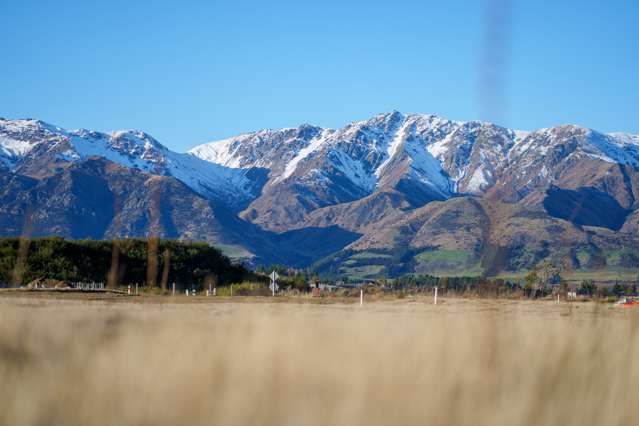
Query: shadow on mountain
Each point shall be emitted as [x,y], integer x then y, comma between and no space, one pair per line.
[416,193]
[585,206]
[310,244]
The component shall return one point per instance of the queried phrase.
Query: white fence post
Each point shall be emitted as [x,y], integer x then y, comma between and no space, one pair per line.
[435,301]
[361,297]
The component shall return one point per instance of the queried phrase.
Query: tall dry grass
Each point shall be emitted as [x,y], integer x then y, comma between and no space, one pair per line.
[462,363]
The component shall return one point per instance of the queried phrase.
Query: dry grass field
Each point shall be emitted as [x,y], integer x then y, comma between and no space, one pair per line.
[404,362]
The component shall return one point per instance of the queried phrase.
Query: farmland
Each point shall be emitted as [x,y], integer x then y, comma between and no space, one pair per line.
[98,360]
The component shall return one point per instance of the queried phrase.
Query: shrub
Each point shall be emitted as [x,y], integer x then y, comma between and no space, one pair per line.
[251,289]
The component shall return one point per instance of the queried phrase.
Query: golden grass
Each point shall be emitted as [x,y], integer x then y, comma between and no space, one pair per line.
[463,362]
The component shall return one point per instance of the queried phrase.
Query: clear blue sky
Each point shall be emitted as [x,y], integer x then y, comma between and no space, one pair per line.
[190,72]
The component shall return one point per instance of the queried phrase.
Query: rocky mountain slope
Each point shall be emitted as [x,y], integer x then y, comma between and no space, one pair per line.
[393,194]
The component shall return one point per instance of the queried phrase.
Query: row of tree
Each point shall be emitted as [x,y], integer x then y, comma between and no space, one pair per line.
[151,262]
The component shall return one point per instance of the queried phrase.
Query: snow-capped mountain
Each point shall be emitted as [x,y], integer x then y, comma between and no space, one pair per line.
[362,152]
[450,156]
[425,154]
[395,183]
[26,144]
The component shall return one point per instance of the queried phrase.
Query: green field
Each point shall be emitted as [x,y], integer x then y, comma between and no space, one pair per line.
[362,271]
[448,263]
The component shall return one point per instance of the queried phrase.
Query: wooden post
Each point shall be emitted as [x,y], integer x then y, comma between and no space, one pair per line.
[174,289]
[136,289]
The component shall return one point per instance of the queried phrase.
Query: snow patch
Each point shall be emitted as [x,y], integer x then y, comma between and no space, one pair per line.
[426,168]
[477,181]
[15,148]
[520,135]
[393,148]
[218,152]
[354,170]
[625,138]
[439,148]
[313,146]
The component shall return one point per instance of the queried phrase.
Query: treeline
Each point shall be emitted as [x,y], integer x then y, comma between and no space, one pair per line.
[589,288]
[476,285]
[495,287]
[151,262]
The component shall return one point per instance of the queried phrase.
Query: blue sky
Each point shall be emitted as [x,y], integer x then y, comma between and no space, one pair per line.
[190,72]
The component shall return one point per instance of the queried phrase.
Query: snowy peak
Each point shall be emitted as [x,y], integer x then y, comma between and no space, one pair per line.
[270,149]
[408,149]
[28,145]
[134,142]
[19,137]
[358,153]
[561,142]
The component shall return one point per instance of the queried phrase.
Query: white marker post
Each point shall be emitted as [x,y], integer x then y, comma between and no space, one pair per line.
[435,301]
[274,276]
[129,290]
[361,297]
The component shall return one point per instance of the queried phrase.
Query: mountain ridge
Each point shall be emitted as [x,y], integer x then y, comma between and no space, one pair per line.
[366,181]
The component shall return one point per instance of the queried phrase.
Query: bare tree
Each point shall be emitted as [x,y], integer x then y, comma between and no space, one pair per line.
[114,270]
[154,232]
[547,272]
[23,249]
[166,260]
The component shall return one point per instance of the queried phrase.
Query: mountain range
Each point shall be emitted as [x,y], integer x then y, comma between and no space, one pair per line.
[394,194]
